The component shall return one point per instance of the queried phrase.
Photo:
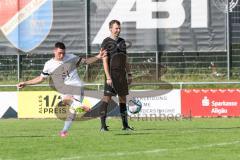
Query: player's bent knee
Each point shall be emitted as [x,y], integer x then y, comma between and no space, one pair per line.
[71,115]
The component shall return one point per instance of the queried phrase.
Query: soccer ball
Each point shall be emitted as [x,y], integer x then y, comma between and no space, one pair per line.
[134,106]
[79,110]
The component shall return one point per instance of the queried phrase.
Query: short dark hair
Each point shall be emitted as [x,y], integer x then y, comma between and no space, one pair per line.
[113,22]
[60,45]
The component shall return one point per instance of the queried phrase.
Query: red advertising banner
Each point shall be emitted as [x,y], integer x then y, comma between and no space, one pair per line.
[210,102]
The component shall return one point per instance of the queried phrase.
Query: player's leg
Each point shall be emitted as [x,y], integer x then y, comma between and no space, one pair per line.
[68,99]
[103,112]
[68,122]
[123,112]
[74,102]
[108,93]
[77,103]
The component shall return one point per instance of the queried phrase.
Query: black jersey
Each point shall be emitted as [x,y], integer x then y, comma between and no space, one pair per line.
[116,49]
[117,56]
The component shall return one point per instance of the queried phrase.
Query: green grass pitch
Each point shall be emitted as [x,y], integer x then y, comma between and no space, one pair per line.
[198,139]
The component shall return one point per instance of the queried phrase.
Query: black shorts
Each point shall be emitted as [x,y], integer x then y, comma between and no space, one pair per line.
[120,84]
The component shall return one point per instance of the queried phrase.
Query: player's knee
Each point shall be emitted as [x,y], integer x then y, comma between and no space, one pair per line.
[106,99]
[68,99]
[122,99]
[72,115]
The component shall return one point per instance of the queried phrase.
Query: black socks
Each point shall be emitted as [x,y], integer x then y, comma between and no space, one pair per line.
[103,114]
[123,112]
[124,116]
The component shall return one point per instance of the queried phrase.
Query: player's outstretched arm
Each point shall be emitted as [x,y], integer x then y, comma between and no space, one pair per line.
[33,81]
[102,53]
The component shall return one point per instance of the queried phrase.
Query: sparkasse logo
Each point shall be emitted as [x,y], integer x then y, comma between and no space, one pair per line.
[206,102]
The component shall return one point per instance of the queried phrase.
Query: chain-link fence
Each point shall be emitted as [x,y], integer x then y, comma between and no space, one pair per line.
[146,67]
[235,40]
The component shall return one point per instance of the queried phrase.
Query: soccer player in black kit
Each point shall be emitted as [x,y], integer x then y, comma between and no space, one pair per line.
[117,74]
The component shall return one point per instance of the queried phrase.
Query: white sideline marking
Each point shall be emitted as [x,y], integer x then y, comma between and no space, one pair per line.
[112,154]
[95,155]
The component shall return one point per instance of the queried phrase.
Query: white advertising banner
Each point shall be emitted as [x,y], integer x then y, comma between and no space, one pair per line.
[8,104]
[167,104]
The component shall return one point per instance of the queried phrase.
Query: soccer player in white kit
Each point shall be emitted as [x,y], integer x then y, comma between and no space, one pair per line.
[72,79]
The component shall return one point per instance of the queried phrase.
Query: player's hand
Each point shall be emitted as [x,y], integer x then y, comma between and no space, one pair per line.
[109,81]
[21,85]
[102,54]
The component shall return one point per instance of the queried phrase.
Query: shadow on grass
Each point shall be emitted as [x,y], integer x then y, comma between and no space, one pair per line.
[131,133]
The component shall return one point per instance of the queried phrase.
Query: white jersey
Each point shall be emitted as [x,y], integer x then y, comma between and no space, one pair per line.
[51,65]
